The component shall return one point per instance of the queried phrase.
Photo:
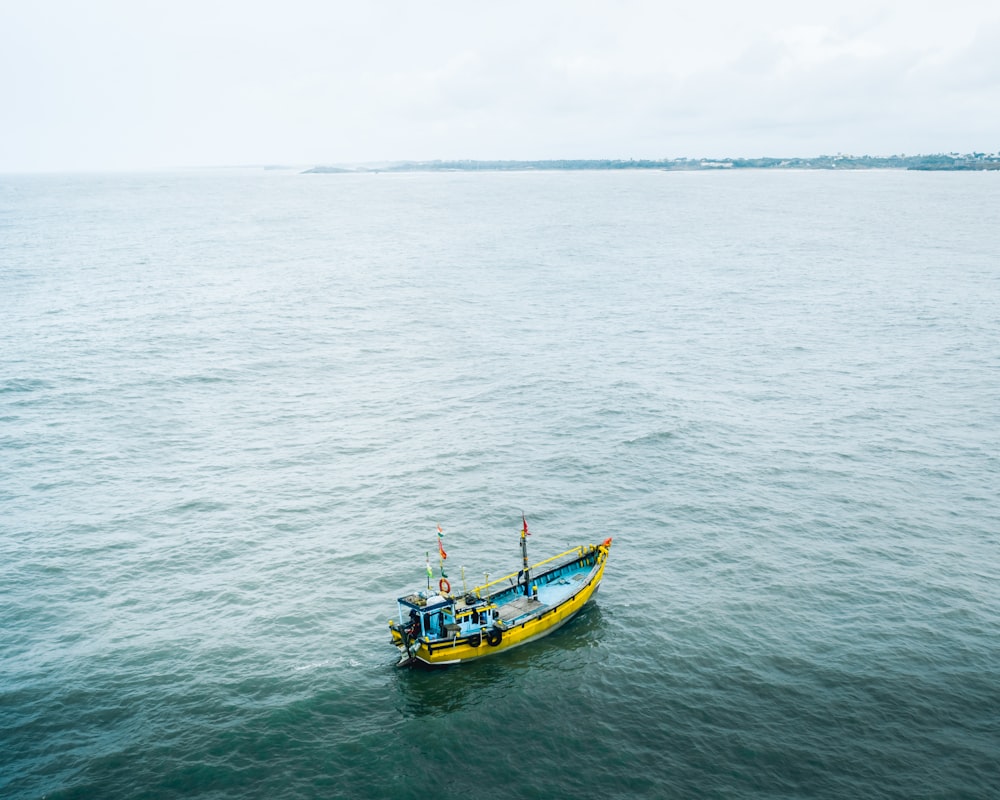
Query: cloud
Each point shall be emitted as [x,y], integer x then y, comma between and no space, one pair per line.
[116,84]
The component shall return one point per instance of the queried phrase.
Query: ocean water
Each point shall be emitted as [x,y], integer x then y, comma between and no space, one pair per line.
[235,404]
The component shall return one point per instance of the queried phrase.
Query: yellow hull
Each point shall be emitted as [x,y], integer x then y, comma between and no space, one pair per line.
[444,652]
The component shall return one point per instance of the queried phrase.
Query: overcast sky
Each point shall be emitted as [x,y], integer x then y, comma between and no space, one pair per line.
[123,84]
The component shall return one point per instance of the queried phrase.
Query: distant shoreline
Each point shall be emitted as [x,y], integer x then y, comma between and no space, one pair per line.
[950,162]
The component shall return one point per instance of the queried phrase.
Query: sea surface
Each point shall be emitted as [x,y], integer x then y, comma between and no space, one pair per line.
[235,405]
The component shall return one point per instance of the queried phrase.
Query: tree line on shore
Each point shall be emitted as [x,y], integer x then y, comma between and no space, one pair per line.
[939,161]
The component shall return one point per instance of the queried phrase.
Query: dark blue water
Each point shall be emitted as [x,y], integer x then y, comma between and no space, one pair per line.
[234,406]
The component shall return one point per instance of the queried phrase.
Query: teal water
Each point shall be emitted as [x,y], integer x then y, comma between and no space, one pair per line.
[234,405]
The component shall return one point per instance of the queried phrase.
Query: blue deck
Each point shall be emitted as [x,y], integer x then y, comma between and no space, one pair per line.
[554,587]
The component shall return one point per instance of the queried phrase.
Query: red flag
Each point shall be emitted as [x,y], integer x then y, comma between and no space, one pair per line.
[441,548]
[524,531]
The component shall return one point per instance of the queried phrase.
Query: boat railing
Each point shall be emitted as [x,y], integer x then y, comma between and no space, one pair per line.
[578,551]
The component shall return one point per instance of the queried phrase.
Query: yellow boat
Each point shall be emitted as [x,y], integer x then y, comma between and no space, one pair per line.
[439,628]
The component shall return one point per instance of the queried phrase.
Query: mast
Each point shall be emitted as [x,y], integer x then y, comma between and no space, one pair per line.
[524,555]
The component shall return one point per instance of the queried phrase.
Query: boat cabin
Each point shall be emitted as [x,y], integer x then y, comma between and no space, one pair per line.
[435,616]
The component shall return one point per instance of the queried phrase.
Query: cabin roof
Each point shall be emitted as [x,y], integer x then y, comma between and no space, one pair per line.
[420,603]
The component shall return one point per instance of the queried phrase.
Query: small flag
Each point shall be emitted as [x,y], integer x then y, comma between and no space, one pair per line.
[524,530]
[441,549]
[440,533]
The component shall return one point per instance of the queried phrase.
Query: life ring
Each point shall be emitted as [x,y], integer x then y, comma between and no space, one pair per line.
[443,586]
[493,636]
[475,640]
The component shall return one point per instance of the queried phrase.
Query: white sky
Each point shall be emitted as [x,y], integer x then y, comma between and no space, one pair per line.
[122,84]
